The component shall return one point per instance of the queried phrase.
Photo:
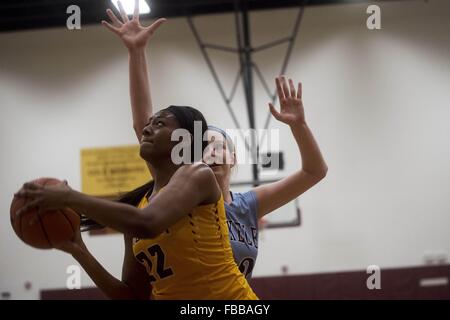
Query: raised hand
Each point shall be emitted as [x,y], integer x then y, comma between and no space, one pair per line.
[131,32]
[291,105]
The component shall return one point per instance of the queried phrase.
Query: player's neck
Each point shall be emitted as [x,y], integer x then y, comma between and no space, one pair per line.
[161,173]
[224,185]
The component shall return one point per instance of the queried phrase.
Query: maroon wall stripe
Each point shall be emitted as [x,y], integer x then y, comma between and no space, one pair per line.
[396,283]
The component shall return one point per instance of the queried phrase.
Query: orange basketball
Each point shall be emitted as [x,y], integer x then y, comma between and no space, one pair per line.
[53,227]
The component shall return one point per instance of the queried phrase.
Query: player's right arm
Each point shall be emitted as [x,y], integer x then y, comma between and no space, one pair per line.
[136,37]
[134,283]
[148,222]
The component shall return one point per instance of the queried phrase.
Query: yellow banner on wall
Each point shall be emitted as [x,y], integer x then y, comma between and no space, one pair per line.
[110,171]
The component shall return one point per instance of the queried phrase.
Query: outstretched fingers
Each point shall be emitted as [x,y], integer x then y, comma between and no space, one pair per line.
[110,27]
[136,10]
[274,111]
[123,14]
[155,25]
[299,91]
[280,92]
[285,87]
[114,19]
[292,88]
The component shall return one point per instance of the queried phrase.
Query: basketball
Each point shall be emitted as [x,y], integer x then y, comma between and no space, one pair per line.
[53,227]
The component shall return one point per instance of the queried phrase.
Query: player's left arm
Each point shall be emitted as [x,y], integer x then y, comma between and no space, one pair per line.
[134,274]
[313,167]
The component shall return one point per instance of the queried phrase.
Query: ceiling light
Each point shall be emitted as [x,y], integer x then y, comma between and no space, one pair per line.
[128,6]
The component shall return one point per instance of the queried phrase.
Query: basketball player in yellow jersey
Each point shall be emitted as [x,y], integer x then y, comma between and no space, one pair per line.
[203,265]
[180,235]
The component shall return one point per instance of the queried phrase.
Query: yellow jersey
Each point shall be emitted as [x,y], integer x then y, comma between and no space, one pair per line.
[193,259]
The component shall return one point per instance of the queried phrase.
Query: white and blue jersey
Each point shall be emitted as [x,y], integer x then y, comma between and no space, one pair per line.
[242,220]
